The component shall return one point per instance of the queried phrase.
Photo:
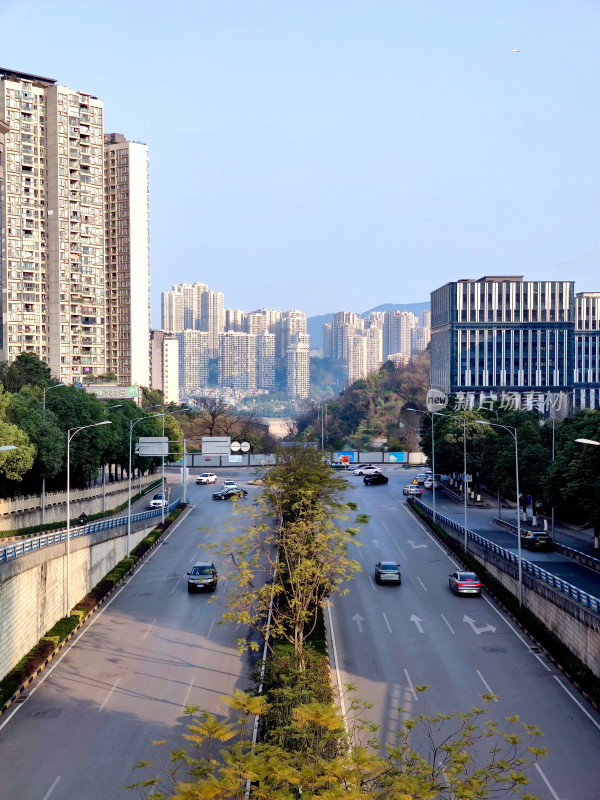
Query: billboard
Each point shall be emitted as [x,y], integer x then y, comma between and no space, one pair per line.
[346,457]
[216,445]
[149,446]
[399,458]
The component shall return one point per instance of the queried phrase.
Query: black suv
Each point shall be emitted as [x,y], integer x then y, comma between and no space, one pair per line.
[377,477]
[203,577]
[531,540]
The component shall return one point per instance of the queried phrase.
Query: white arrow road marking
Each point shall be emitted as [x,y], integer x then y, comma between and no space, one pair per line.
[387,623]
[484,629]
[359,621]
[107,698]
[417,622]
[486,684]
[410,684]
[447,623]
[415,546]
[422,584]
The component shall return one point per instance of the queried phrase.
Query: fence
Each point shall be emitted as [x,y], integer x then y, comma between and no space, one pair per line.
[585,599]
[17,549]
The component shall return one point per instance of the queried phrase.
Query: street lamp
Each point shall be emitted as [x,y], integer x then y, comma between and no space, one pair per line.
[494,411]
[430,415]
[597,444]
[132,424]
[513,432]
[163,415]
[70,434]
[44,390]
[118,405]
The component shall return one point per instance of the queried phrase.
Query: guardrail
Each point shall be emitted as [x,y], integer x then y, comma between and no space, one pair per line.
[17,549]
[587,600]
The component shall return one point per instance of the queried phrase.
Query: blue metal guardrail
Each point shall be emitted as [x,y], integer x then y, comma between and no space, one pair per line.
[17,549]
[587,600]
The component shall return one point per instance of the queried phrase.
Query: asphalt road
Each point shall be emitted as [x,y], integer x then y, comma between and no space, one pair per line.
[127,677]
[390,639]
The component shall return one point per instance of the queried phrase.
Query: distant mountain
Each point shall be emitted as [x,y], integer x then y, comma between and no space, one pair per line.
[314,325]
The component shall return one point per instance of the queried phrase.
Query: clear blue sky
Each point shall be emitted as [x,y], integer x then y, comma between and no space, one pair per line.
[336,154]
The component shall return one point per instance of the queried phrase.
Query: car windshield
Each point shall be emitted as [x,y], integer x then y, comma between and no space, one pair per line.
[467,576]
[202,570]
[157,497]
[389,566]
[205,475]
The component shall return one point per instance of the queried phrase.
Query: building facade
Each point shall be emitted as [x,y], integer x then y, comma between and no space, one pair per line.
[503,333]
[586,380]
[164,364]
[298,366]
[127,260]
[193,358]
[238,361]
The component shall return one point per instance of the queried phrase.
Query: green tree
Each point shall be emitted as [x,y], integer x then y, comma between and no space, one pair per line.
[25,370]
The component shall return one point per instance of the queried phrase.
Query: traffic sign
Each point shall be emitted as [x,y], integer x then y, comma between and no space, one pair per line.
[244,447]
[235,446]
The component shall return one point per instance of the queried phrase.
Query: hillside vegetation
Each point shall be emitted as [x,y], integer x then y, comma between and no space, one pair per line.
[366,415]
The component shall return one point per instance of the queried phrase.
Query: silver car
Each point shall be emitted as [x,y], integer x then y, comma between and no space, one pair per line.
[387,572]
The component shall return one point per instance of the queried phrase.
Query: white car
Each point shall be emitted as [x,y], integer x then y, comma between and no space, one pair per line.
[230,485]
[368,470]
[158,501]
[206,477]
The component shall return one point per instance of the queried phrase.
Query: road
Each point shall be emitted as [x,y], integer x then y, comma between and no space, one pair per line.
[390,639]
[127,677]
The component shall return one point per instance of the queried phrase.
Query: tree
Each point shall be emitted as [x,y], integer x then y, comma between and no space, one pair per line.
[293,553]
[464,755]
[25,370]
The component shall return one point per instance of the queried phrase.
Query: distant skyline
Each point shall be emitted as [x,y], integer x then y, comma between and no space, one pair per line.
[342,154]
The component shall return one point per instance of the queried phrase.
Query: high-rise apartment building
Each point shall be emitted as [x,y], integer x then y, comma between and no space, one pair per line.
[53,279]
[235,320]
[238,360]
[212,318]
[265,360]
[298,366]
[586,380]
[290,322]
[164,364]
[397,332]
[194,350]
[503,333]
[126,247]
[374,337]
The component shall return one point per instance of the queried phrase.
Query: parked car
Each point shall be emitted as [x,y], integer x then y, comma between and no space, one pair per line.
[375,478]
[464,583]
[229,485]
[158,501]
[202,577]
[412,488]
[206,477]
[387,572]
[367,469]
[230,494]
[532,540]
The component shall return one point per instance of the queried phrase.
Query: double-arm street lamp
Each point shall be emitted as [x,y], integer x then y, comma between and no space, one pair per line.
[108,408]
[132,424]
[597,444]
[70,434]
[430,415]
[44,390]
[513,432]
[163,415]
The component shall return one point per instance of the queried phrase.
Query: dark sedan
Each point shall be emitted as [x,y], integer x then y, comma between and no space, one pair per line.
[387,572]
[371,480]
[229,494]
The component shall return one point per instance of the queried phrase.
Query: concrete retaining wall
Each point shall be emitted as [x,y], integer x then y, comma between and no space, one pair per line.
[25,512]
[575,626]
[32,588]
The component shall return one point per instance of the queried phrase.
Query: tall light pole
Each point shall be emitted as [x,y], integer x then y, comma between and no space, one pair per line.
[70,434]
[430,415]
[597,444]
[132,424]
[494,411]
[118,405]
[513,432]
[44,390]
[163,415]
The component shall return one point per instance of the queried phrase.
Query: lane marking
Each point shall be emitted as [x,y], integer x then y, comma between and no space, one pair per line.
[546,781]
[422,584]
[175,585]
[411,687]
[52,788]
[431,536]
[149,629]
[212,624]
[371,581]
[447,623]
[67,649]
[517,634]
[387,623]
[486,684]
[400,549]
[187,693]
[576,701]
[336,664]
[108,696]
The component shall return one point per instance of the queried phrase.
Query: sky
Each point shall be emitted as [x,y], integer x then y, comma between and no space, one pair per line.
[334,155]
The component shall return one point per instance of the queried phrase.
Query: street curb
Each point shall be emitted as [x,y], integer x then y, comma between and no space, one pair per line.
[17,695]
[549,656]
